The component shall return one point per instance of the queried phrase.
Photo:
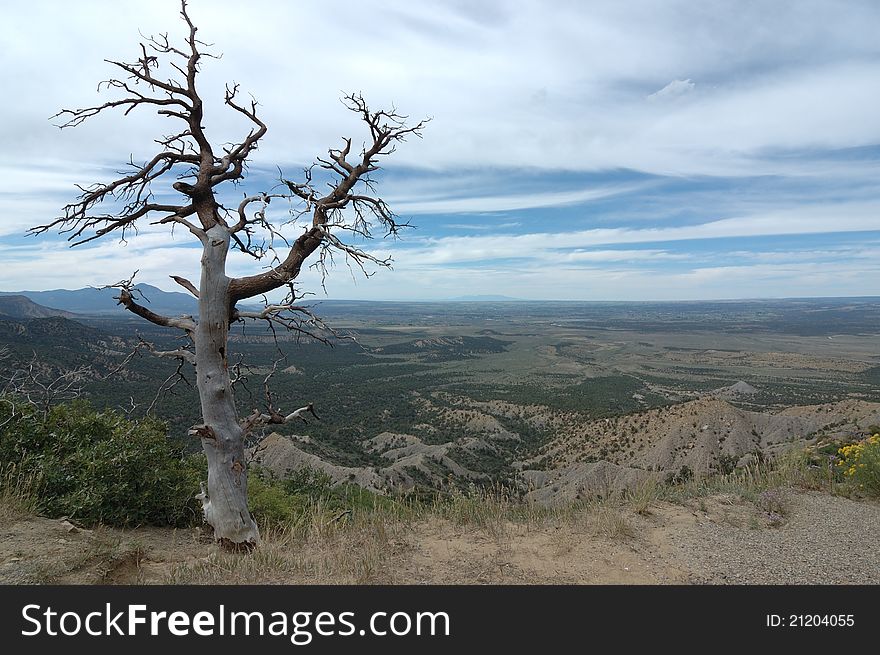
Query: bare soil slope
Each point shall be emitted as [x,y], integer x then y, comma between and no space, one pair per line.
[588,457]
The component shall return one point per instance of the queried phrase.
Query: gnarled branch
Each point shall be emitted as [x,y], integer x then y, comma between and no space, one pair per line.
[351,205]
[292,318]
[186,284]
[126,298]
[178,353]
[187,151]
[273,416]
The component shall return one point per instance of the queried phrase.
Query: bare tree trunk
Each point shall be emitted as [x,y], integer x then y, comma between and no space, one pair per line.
[350,207]
[225,505]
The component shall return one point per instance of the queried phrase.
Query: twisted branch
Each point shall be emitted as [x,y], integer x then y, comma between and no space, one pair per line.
[126,298]
[187,151]
[351,205]
[274,416]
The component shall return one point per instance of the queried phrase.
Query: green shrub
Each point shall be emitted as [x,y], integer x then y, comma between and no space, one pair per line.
[271,503]
[101,467]
[284,502]
[308,482]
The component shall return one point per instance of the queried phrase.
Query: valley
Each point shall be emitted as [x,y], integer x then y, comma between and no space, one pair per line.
[557,401]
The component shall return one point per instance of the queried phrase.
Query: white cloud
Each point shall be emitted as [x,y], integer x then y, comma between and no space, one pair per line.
[29,269]
[481,227]
[478,204]
[599,256]
[413,281]
[854,217]
[431,264]
[674,89]
[507,85]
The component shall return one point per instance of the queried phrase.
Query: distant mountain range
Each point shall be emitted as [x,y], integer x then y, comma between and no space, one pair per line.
[489,298]
[60,302]
[54,345]
[18,307]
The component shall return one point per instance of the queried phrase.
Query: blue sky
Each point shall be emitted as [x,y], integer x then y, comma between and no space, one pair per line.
[593,151]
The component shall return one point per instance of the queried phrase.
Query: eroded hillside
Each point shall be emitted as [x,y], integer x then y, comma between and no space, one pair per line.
[570,457]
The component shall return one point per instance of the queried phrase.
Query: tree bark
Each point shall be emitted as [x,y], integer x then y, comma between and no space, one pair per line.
[189,154]
[225,504]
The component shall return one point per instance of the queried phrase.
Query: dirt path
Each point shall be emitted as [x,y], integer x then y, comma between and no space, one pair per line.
[447,554]
[814,538]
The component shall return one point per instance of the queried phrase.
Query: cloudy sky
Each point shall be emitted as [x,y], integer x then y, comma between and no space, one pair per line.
[577,150]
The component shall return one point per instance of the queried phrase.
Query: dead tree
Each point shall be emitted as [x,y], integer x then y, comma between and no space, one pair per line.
[38,385]
[164,79]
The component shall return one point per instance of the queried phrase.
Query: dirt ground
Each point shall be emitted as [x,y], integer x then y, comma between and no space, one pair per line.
[716,540]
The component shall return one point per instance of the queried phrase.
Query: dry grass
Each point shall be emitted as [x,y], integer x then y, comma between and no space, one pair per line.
[645,494]
[366,546]
[18,494]
[108,557]
[788,470]
[363,547]
[610,521]
[369,543]
[321,547]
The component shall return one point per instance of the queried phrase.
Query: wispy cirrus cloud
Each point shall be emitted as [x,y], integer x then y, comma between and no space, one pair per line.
[508,85]
[632,147]
[481,227]
[827,219]
[674,89]
[503,203]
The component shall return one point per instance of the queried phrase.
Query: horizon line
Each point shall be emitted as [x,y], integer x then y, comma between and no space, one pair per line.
[498,298]
[577,300]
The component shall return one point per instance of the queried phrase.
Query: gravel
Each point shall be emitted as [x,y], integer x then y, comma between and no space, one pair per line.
[824,540]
